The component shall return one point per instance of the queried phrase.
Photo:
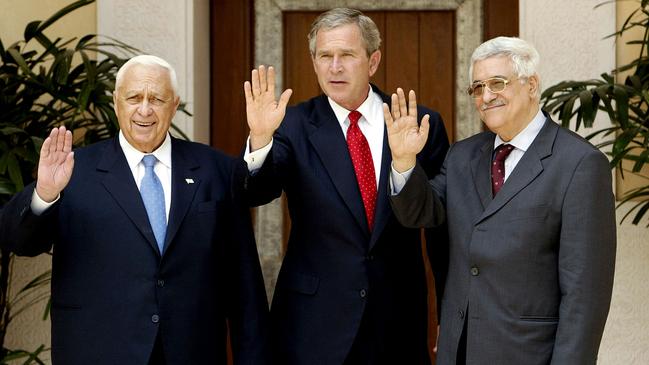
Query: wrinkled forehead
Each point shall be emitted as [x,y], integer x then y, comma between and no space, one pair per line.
[495,66]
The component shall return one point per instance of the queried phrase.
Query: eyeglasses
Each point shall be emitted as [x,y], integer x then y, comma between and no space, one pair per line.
[494,84]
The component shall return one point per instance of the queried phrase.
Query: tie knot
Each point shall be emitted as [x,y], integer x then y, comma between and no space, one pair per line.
[503,151]
[354,116]
[149,160]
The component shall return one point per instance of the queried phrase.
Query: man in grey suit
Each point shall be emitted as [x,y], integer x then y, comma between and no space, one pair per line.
[531,264]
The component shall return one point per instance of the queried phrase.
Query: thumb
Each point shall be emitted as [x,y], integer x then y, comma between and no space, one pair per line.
[284,98]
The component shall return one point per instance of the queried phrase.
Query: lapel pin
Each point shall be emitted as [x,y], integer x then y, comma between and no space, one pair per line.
[189,181]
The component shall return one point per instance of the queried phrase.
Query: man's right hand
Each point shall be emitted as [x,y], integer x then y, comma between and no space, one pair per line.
[263,111]
[55,164]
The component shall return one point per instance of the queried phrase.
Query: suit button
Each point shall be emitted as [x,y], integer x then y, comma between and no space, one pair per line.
[461,314]
[155,318]
[475,271]
[363,293]
[160,283]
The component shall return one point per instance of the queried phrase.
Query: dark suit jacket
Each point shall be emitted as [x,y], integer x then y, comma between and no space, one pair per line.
[335,270]
[112,292]
[531,270]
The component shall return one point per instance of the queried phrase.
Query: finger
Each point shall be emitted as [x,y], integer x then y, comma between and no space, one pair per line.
[395,106]
[54,136]
[425,126]
[387,116]
[254,78]
[412,103]
[403,109]
[263,82]
[247,89]
[68,165]
[284,98]
[60,140]
[45,148]
[271,80]
[67,144]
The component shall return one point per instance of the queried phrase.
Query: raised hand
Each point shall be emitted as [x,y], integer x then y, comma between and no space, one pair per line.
[55,164]
[263,111]
[405,136]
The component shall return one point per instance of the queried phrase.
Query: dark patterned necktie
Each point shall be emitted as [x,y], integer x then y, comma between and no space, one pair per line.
[498,167]
[359,150]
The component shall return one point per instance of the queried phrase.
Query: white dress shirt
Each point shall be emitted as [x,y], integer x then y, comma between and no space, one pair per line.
[521,143]
[371,124]
[134,157]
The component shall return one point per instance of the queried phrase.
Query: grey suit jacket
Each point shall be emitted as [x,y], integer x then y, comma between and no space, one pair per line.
[531,270]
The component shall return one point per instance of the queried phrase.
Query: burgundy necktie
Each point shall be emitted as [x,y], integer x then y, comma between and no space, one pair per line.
[359,150]
[498,167]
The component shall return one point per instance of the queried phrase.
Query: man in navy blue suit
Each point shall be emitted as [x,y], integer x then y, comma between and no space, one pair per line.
[352,287]
[132,284]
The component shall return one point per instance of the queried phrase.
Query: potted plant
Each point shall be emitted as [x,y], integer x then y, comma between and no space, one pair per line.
[626,104]
[63,82]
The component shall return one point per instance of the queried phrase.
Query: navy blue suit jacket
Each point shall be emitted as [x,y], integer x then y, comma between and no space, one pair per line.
[335,270]
[112,291]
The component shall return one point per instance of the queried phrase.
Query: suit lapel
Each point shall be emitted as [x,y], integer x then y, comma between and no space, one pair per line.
[329,143]
[383,210]
[481,170]
[527,169]
[118,181]
[184,184]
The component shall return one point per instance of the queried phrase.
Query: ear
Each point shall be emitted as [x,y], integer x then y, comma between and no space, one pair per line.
[375,60]
[176,104]
[534,85]
[115,101]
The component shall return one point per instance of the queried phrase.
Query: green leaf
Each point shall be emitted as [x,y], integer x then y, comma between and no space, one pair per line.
[14,172]
[31,29]
[642,159]
[73,6]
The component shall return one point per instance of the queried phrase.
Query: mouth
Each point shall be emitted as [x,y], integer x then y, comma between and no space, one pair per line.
[143,124]
[491,106]
[337,82]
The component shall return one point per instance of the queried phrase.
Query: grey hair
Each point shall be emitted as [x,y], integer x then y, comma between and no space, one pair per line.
[337,17]
[522,55]
[148,60]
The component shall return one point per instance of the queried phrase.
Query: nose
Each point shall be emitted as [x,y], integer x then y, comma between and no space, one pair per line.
[336,64]
[487,95]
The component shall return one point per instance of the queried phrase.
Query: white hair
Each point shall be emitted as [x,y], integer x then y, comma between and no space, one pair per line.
[148,60]
[523,56]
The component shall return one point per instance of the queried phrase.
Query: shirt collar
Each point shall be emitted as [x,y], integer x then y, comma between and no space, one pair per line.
[134,156]
[366,108]
[524,139]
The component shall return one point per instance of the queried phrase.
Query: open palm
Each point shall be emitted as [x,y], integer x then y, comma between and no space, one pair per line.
[55,164]
[405,136]
[263,111]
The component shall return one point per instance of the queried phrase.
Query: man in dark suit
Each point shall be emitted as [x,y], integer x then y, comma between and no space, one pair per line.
[530,214]
[352,287]
[130,286]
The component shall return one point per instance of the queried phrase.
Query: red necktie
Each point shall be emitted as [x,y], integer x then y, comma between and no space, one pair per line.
[359,150]
[498,167]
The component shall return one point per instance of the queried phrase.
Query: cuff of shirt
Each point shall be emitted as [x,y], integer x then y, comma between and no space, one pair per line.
[398,179]
[38,205]
[256,159]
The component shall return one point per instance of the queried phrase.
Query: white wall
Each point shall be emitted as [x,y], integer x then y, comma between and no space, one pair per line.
[569,36]
[177,31]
